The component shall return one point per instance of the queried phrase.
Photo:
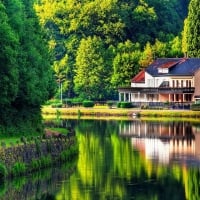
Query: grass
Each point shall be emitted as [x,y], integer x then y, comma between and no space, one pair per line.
[105,112]
[9,141]
[170,113]
[59,130]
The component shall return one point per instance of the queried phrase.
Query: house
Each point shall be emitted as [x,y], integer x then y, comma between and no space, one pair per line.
[174,80]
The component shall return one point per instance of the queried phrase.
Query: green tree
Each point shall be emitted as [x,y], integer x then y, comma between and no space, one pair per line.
[9,71]
[91,72]
[125,63]
[27,77]
[193,22]
[147,56]
[68,22]
[185,38]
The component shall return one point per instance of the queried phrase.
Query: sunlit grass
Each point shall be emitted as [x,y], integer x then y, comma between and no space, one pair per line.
[97,110]
[9,141]
[105,112]
[170,113]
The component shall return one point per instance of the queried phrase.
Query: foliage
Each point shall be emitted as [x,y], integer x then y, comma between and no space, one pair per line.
[26,76]
[87,103]
[18,169]
[195,107]
[192,29]
[100,45]
[91,74]
[68,154]
[126,105]
[110,103]
[3,171]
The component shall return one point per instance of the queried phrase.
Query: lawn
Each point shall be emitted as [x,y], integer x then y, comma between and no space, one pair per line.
[104,111]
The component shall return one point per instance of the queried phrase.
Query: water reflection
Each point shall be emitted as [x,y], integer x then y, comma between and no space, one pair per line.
[43,185]
[165,142]
[125,160]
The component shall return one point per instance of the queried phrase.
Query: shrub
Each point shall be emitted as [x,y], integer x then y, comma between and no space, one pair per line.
[77,102]
[52,101]
[35,164]
[18,169]
[110,104]
[56,105]
[126,105]
[46,161]
[67,102]
[119,105]
[3,171]
[195,107]
[88,103]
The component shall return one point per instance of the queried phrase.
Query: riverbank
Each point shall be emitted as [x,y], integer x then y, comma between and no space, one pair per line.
[49,112]
[36,154]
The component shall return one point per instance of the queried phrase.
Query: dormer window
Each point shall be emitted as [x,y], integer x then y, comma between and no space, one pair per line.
[163,70]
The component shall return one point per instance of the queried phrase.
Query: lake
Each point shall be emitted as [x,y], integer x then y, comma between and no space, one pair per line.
[127,159]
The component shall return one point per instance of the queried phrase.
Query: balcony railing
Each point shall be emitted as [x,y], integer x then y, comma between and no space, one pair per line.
[163,90]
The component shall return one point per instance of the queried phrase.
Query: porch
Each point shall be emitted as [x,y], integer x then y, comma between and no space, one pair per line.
[176,97]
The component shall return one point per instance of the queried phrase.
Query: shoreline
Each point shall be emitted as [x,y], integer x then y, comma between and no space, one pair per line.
[115,112]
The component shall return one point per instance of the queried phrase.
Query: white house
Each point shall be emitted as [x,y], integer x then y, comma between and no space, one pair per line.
[174,80]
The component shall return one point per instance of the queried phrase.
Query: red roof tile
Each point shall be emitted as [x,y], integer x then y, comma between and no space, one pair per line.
[169,64]
[139,78]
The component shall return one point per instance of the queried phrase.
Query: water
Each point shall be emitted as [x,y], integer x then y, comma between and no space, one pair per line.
[121,160]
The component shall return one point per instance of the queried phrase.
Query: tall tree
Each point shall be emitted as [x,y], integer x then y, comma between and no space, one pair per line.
[193,22]
[125,63]
[27,76]
[68,22]
[91,73]
[9,71]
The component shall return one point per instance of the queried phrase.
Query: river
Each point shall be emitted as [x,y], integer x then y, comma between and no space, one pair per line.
[121,159]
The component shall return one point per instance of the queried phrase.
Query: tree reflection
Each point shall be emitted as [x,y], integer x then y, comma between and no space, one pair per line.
[110,168]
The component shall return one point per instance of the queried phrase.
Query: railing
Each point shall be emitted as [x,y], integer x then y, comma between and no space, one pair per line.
[157,105]
[151,90]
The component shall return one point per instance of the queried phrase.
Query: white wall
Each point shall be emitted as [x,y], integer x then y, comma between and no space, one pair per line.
[155,82]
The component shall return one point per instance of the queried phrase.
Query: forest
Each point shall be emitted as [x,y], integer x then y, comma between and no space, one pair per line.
[26,75]
[90,48]
[100,45]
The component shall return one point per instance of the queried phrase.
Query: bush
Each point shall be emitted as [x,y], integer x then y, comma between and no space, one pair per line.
[67,102]
[18,169]
[126,105]
[56,105]
[3,171]
[88,103]
[119,105]
[46,161]
[110,104]
[195,107]
[52,101]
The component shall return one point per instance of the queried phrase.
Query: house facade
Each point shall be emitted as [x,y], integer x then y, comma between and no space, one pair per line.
[173,80]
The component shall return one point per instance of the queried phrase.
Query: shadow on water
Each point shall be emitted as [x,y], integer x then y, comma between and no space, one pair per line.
[42,185]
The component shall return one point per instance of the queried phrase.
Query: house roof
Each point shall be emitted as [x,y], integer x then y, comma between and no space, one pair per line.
[176,66]
[139,78]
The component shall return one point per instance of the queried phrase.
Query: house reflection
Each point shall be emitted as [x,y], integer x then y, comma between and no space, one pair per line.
[164,142]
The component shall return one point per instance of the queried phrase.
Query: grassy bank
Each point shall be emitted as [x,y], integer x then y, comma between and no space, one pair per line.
[49,112]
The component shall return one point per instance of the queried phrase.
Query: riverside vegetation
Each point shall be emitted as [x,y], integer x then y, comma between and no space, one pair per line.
[36,153]
[115,109]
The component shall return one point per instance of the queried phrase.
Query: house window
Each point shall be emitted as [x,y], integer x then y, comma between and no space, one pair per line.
[177,97]
[163,70]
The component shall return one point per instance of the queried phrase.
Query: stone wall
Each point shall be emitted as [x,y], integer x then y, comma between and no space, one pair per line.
[35,149]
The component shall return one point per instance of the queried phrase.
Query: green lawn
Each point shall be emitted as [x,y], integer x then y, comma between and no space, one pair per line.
[104,111]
